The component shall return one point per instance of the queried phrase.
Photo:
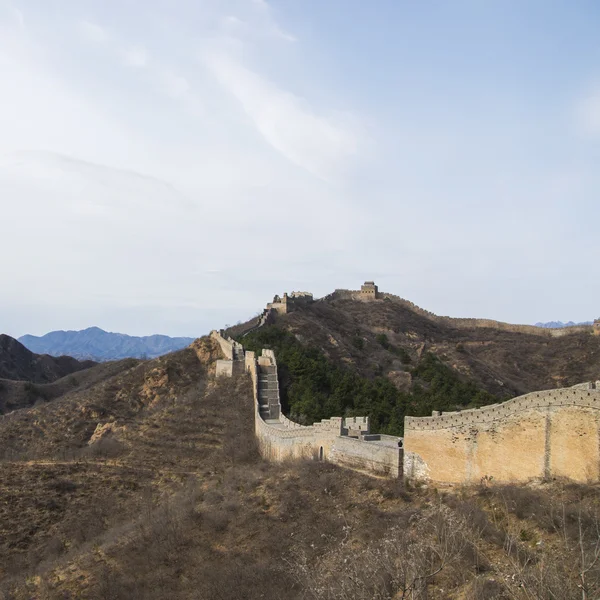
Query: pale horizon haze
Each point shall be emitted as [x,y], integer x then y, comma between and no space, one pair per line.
[167,167]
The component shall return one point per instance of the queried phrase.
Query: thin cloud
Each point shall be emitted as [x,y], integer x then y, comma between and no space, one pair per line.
[92,32]
[19,16]
[40,164]
[589,112]
[314,142]
[272,27]
[173,85]
[136,57]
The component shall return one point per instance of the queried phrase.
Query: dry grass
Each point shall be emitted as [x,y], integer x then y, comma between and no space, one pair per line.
[176,503]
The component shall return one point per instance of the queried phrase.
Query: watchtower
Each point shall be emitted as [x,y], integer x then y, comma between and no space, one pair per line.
[596,327]
[369,291]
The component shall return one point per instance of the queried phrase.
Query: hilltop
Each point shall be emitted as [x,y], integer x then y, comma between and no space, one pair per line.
[386,357]
[99,345]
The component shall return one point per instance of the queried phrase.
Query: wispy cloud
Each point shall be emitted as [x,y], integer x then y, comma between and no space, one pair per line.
[19,17]
[135,56]
[172,84]
[588,112]
[92,32]
[165,77]
[318,143]
[266,139]
[272,27]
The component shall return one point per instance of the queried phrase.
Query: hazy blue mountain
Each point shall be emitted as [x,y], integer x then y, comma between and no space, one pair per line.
[96,344]
[559,324]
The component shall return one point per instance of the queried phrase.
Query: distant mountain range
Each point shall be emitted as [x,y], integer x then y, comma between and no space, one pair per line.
[559,324]
[96,344]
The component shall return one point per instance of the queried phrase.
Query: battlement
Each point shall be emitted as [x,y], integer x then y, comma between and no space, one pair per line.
[588,397]
[356,426]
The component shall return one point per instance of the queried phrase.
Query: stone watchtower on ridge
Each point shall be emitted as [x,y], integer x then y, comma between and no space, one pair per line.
[369,291]
[596,327]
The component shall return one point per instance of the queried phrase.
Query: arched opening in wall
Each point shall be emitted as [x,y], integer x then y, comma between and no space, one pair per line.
[321,453]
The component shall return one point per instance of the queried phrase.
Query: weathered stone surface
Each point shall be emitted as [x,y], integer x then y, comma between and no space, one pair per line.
[546,434]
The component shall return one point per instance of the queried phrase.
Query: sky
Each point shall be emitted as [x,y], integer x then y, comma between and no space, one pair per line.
[169,166]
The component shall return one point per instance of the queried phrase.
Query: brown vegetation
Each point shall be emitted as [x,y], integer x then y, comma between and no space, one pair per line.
[148,485]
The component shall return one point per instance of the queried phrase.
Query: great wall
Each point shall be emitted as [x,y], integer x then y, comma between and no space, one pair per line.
[541,435]
[347,442]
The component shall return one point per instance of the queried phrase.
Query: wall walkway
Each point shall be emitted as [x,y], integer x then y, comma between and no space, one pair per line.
[346,442]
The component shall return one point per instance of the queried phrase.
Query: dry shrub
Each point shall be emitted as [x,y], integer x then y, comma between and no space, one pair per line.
[487,589]
[522,500]
[107,447]
[401,564]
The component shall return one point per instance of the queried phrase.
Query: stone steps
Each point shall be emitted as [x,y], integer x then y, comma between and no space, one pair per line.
[268,392]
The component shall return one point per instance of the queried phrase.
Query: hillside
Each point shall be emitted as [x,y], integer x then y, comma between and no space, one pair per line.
[389,359]
[148,485]
[99,345]
[19,363]
[15,395]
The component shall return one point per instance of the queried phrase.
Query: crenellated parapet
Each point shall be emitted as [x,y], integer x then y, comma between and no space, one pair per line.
[585,398]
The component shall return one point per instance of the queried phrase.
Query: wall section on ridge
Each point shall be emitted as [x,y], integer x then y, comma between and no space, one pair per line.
[553,433]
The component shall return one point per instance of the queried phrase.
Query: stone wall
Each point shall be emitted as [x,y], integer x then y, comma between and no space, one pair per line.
[554,433]
[224,368]
[281,439]
[356,426]
[289,302]
[226,345]
[383,459]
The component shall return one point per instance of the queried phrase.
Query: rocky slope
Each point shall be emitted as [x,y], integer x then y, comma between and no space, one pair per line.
[96,344]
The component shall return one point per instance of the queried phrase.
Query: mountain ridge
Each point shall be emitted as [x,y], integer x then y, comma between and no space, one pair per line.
[560,324]
[97,344]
